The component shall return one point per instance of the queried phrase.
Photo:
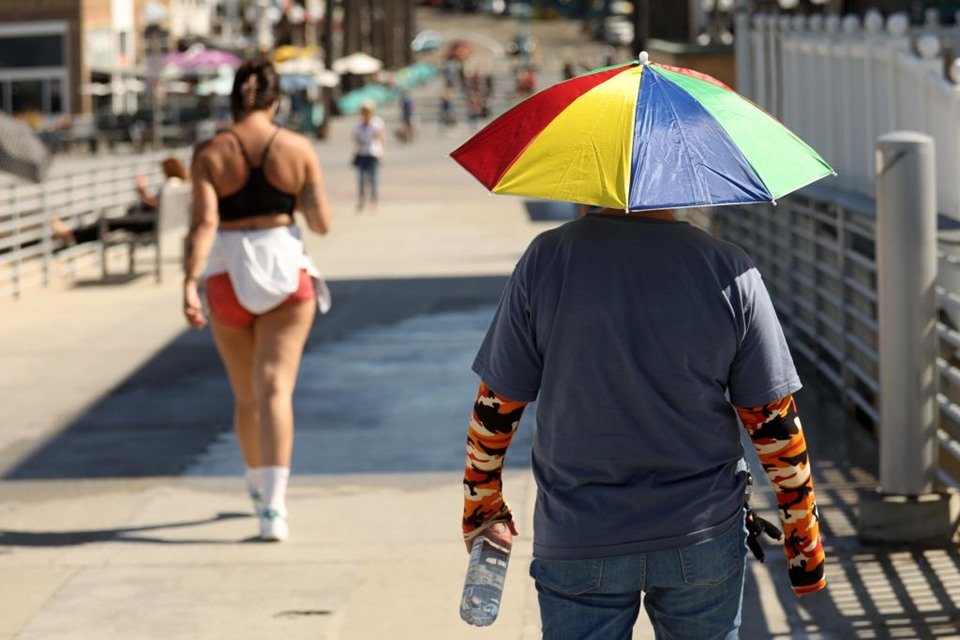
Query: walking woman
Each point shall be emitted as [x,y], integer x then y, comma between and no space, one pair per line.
[368,135]
[260,286]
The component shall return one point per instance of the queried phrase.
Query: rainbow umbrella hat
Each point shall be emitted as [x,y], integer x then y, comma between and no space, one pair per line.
[638,137]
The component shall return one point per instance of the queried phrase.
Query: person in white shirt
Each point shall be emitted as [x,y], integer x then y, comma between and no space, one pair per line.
[368,136]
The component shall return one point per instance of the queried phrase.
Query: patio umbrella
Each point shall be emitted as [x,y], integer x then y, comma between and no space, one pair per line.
[638,137]
[199,60]
[359,64]
[21,151]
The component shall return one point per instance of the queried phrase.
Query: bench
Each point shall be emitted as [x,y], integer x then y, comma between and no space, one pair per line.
[144,229]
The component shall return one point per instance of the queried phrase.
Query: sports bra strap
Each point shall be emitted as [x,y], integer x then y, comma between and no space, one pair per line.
[243,149]
[266,149]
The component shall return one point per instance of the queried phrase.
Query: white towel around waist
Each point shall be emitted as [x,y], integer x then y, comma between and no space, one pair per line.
[264,266]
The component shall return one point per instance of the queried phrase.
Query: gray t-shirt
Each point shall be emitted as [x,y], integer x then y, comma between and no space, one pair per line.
[634,332]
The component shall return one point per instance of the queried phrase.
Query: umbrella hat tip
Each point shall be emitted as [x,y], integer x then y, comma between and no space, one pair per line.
[644,58]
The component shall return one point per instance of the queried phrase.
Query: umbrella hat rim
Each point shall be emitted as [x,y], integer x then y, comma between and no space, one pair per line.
[682,119]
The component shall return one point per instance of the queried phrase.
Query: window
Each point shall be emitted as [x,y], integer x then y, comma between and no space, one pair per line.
[4,96]
[55,92]
[31,51]
[26,96]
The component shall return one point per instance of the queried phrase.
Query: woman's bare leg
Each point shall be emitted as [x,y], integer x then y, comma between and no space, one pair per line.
[236,347]
[280,336]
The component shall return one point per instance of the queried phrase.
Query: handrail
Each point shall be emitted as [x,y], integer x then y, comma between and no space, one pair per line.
[29,254]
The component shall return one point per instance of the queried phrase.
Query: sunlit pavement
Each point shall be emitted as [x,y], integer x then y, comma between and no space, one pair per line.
[122,514]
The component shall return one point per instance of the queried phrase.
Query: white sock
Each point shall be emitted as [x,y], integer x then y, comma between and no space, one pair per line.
[275,487]
[254,481]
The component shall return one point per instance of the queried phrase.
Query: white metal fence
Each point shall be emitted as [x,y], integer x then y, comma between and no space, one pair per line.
[815,250]
[29,253]
[842,83]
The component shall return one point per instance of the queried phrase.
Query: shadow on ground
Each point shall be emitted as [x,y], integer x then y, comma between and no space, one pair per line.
[12,538]
[385,386]
[880,592]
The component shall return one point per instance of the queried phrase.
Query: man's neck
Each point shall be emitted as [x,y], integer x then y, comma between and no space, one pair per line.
[659,214]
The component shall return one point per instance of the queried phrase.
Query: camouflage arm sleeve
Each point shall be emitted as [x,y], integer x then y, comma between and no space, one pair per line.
[493,423]
[778,439]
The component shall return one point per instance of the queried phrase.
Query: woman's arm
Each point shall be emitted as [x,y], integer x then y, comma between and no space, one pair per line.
[312,200]
[203,229]
[143,189]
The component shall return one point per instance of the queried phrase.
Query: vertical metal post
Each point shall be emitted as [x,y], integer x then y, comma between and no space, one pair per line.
[389,20]
[47,234]
[743,47]
[351,28]
[409,29]
[17,248]
[641,26]
[907,310]
[523,31]
[329,55]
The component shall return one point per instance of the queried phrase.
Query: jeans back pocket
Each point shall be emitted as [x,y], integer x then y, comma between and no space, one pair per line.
[710,562]
[569,577]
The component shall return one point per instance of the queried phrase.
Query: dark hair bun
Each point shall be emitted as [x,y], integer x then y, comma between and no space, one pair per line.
[256,86]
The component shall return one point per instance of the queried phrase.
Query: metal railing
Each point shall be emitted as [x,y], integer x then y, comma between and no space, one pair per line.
[839,84]
[30,256]
[816,251]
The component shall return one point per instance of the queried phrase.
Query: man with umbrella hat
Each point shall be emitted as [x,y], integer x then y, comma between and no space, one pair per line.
[643,339]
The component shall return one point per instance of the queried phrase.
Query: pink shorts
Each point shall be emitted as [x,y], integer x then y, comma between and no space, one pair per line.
[226,308]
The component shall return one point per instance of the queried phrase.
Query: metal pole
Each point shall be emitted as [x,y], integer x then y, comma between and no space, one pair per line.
[351,26]
[328,52]
[47,234]
[409,29]
[523,32]
[743,48]
[641,26]
[155,86]
[907,310]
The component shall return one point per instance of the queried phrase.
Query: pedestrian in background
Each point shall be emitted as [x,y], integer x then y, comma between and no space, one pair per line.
[368,136]
[407,110]
[643,339]
[261,289]
[448,117]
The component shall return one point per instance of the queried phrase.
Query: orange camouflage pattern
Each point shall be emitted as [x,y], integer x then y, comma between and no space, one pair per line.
[494,421]
[778,439]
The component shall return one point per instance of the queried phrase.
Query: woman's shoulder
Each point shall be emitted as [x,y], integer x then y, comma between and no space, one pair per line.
[291,140]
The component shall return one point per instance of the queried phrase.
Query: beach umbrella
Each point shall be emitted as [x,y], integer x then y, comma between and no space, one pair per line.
[21,152]
[637,137]
[199,60]
[359,64]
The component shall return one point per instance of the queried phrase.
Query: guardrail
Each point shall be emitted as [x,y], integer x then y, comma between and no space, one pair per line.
[841,83]
[816,251]
[29,254]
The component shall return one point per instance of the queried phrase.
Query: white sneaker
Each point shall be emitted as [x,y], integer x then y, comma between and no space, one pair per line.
[273,526]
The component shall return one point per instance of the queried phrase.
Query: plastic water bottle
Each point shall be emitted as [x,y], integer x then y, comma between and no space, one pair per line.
[483,587]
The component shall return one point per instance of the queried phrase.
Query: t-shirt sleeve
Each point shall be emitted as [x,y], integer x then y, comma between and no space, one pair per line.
[508,360]
[763,369]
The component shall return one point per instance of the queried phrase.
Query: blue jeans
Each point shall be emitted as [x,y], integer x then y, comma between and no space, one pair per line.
[367,174]
[690,593]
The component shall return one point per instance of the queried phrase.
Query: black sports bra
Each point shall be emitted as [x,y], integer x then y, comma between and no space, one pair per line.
[257,196]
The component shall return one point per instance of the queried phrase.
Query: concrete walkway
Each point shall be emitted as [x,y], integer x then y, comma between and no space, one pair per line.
[122,514]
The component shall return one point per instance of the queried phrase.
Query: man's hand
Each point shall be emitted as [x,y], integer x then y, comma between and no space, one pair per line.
[500,532]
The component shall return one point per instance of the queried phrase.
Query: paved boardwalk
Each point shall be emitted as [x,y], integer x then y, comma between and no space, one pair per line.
[122,514]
